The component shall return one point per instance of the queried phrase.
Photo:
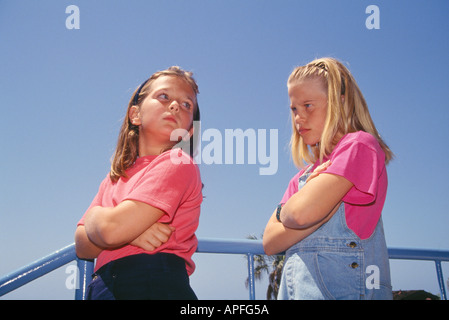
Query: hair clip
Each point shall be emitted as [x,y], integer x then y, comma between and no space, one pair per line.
[136,96]
[343,86]
[321,65]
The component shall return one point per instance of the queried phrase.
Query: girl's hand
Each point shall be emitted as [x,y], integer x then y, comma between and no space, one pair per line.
[154,236]
[322,167]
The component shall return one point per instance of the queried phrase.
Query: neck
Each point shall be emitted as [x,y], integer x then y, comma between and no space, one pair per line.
[153,149]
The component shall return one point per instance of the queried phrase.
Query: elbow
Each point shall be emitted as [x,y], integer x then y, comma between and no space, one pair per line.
[267,241]
[84,249]
[269,246]
[84,253]
[79,251]
[269,251]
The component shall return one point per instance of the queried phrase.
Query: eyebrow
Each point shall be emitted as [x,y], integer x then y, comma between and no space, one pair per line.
[305,101]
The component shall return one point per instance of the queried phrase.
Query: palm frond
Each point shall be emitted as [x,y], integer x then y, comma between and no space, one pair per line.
[272,266]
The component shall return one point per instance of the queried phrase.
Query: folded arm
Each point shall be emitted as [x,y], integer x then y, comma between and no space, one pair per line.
[314,201]
[305,211]
[107,228]
[278,238]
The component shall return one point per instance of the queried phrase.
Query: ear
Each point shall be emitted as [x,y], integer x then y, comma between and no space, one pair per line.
[191,131]
[342,99]
[134,115]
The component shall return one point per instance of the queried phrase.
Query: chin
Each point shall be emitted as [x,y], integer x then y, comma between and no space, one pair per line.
[310,142]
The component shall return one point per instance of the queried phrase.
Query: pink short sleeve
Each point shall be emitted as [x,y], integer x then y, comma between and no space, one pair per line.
[360,160]
[166,184]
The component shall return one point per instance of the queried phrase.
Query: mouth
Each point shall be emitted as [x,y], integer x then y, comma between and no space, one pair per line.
[170,119]
[302,131]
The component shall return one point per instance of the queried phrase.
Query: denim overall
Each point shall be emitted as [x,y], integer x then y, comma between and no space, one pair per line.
[334,263]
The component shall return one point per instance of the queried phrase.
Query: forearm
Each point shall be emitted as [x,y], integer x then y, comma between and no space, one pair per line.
[117,226]
[306,217]
[99,226]
[278,238]
[318,199]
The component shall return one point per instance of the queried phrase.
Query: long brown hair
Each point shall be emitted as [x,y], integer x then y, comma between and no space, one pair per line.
[127,149]
[347,111]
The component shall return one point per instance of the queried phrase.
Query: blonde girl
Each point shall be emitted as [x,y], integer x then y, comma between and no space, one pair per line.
[329,219]
[141,225]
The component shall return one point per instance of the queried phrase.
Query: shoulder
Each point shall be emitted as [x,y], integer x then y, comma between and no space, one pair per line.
[358,152]
[175,161]
[359,138]
[358,143]
[174,157]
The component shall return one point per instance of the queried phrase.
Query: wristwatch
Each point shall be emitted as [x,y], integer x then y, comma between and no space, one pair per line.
[278,212]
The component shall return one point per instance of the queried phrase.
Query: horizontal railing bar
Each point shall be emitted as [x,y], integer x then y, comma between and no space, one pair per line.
[37,269]
[248,247]
[418,254]
[240,246]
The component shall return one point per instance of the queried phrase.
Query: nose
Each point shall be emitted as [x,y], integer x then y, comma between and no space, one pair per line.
[300,117]
[174,106]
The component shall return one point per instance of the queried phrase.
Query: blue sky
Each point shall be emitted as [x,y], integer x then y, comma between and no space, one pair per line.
[63,94]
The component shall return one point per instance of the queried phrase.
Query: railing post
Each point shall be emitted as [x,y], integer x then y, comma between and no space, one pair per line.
[440,279]
[251,285]
[85,269]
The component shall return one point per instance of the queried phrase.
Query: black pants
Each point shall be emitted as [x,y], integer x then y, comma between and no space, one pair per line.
[160,276]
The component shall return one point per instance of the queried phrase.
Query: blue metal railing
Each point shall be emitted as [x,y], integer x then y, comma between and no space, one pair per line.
[250,248]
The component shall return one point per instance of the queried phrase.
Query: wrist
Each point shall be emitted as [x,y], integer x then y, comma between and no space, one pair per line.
[278,212]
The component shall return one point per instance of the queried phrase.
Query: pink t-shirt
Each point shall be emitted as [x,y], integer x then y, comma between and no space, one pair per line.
[172,186]
[359,158]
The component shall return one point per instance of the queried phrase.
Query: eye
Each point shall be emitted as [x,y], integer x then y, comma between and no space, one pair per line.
[187,105]
[308,105]
[163,96]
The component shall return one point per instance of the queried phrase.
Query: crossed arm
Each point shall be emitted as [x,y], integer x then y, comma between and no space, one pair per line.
[306,210]
[130,222]
[136,223]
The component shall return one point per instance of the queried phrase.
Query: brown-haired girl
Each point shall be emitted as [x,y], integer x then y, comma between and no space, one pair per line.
[141,224]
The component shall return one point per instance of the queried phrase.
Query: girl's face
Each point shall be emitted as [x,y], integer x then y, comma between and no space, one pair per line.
[308,102]
[168,106]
